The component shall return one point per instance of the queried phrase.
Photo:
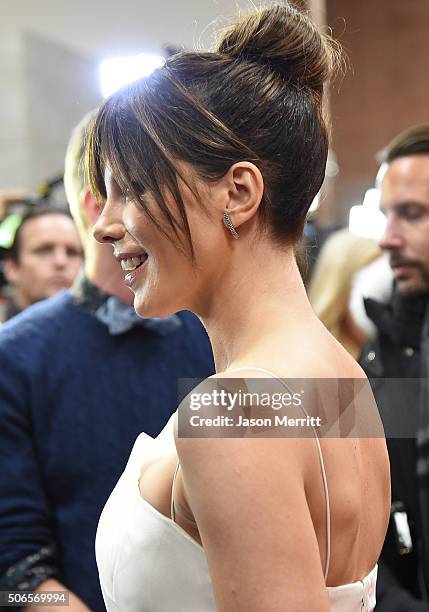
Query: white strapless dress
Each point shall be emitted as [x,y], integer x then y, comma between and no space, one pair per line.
[148,563]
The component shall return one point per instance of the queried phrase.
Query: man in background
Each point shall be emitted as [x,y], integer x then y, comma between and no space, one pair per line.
[81,376]
[395,354]
[45,257]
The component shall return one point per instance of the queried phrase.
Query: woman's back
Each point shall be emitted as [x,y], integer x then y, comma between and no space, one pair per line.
[358,511]
[356,463]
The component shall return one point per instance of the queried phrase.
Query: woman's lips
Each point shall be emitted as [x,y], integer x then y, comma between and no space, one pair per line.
[131,277]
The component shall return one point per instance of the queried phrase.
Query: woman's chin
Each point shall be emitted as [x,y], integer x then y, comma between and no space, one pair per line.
[149,310]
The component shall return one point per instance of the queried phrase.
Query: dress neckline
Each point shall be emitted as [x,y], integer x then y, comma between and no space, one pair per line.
[172,525]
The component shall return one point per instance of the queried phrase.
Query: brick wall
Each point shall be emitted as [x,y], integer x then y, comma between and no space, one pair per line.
[385,90]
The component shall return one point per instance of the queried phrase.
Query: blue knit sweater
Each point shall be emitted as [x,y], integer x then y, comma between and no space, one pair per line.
[73,398]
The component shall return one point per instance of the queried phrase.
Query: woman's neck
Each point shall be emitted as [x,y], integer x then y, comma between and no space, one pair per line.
[249,310]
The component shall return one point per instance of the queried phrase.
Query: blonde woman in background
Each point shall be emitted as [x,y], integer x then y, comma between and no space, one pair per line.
[341,257]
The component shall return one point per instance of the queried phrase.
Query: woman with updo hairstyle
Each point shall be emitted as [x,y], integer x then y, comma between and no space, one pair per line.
[205,172]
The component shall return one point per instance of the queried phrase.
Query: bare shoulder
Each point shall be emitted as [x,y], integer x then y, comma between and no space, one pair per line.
[249,503]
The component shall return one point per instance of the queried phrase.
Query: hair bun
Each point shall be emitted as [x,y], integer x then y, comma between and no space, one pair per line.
[286,40]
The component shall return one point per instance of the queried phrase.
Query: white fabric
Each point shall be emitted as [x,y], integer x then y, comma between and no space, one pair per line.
[373,281]
[148,563]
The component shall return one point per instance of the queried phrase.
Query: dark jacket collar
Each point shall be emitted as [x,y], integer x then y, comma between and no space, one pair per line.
[401,319]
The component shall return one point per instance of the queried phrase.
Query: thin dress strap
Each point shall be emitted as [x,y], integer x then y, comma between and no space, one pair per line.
[322,466]
[172,509]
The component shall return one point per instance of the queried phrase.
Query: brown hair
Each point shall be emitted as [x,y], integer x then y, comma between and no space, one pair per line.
[258,98]
[413,141]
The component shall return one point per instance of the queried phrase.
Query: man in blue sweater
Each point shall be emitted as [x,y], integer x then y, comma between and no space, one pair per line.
[80,377]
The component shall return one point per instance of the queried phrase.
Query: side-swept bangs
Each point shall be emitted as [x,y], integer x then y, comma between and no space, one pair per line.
[125,138]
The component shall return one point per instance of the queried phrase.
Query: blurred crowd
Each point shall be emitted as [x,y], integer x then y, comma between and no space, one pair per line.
[66,319]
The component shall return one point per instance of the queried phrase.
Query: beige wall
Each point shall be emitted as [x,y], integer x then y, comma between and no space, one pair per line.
[46,89]
[49,55]
[103,27]
[318,10]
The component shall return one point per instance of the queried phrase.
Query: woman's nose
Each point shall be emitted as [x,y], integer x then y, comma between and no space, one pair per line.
[108,227]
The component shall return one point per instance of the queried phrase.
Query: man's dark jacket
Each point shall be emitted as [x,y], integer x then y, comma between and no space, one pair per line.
[392,361]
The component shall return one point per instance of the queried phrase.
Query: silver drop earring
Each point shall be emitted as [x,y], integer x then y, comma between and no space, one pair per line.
[229,224]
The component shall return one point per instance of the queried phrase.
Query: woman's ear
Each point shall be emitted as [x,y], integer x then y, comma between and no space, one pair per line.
[245,186]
